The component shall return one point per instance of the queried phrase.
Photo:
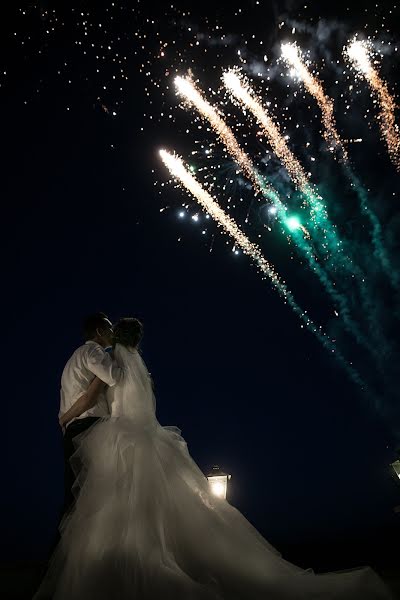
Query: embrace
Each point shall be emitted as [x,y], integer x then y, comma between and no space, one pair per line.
[140,521]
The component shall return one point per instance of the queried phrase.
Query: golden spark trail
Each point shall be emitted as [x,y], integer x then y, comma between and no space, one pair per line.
[242,92]
[319,217]
[187,89]
[192,94]
[358,53]
[291,54]
[178,170]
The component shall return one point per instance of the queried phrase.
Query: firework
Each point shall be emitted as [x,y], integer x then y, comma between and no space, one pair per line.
[358,53]
[187,89]
[178,170]
[329,243]
[292,56]
[193,96]
[242,92]
[377,234]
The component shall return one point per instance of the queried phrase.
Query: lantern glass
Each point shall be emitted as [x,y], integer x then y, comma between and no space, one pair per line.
[396,467]
[218,485]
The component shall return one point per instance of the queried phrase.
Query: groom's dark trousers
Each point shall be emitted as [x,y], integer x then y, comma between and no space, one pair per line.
[73,429]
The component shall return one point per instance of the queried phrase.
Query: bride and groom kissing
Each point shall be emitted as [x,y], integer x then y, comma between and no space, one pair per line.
[140,520]
[86,381]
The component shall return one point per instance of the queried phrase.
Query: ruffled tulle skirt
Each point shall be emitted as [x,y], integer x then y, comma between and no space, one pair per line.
[145,526]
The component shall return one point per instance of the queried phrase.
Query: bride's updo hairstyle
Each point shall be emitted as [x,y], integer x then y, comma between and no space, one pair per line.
[128,332]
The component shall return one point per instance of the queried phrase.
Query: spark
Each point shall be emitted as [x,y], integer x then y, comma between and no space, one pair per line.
[187,89]
[193,95]
[292,55]
[178,170]
[242,92]
[359,54]
[293,223]
[319,217]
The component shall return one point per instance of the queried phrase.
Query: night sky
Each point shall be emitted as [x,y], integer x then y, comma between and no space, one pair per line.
[91,222]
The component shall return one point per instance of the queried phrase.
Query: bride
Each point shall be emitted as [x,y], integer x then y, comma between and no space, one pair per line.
[146,526]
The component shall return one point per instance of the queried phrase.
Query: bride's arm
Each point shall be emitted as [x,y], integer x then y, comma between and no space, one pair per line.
[88,400]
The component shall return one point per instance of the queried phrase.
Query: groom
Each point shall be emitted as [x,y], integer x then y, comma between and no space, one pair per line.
[87,362]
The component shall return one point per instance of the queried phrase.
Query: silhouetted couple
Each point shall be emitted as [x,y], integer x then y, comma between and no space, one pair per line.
[145,524]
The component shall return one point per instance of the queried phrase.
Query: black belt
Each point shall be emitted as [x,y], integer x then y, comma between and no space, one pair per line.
[78,422]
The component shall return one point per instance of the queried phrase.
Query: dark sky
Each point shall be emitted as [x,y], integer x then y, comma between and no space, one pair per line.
[82,231]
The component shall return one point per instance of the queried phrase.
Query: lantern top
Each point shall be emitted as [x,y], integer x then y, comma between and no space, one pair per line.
[216,471]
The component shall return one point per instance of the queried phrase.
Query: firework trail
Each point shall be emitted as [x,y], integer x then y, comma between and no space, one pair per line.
[242,92]
[187,89]
[291,54]
[379,249]
[178,170]
[331,244]
[359,55]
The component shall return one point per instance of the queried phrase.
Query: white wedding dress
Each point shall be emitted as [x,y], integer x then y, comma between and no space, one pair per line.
[145,525]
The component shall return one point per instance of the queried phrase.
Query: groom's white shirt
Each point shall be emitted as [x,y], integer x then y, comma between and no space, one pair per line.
[86,363]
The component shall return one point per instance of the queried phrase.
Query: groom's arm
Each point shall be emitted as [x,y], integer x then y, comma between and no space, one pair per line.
[101,364]
[88,400]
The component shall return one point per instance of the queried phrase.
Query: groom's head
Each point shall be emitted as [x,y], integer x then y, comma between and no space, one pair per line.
[98,328]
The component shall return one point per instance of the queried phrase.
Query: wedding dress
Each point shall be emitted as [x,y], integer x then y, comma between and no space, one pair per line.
[145,525]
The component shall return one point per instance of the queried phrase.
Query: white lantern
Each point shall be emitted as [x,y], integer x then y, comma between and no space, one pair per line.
[218,481]
[396,467]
